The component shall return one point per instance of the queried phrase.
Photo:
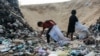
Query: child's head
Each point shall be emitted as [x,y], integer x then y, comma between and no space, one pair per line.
[73,12]
[40,23]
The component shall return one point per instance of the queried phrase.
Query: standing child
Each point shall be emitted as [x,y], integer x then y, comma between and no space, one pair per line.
[72,21]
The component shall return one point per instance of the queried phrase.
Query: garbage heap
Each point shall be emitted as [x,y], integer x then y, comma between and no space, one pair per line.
[17,38]
[95,29]
[91,44]
[12,23]
[12,26]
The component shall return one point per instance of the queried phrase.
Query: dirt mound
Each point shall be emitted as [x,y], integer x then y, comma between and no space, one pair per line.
[87,12]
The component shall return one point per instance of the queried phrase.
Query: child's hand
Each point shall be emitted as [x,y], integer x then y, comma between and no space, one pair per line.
[39,35]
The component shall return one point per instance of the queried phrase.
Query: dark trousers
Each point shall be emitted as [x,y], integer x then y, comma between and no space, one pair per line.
[71,35]
[47,35]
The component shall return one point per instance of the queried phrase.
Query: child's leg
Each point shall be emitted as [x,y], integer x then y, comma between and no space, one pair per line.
[67,34]
[48,38]
[71,36]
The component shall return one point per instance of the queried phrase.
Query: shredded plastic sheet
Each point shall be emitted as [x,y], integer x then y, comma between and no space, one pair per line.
[91,54]
[4,48]
[58,36]
[53,54]
[81,30]
[80,27]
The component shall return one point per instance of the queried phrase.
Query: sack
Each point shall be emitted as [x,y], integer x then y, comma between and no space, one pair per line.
[81,30]
[80,27]
[58,36]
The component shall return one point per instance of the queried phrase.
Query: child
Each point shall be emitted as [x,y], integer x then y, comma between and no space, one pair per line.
[47,24]
[71,26]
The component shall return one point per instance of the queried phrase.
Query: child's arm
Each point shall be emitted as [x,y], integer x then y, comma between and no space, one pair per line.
[41,32]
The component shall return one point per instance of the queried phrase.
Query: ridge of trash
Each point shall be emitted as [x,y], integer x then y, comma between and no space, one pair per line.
[17,38]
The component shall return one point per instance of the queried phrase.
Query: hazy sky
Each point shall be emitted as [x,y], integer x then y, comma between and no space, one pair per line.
[27,2]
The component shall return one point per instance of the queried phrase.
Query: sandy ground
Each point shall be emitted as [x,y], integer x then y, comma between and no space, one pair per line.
[88,11]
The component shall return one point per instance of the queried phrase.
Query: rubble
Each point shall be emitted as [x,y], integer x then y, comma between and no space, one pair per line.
[17,38]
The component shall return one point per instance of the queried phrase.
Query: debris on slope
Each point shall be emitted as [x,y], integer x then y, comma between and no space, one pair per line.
[12,21]
[17,38]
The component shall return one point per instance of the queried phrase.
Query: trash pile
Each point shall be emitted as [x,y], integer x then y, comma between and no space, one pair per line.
[17,38]
[12,27]
[91,43]
[95,29]
[12,23]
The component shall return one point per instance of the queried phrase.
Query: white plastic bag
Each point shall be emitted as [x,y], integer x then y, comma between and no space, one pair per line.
[79,27]
[58,36]
[52,54]
[90,54]
[4,48]
[81,30]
